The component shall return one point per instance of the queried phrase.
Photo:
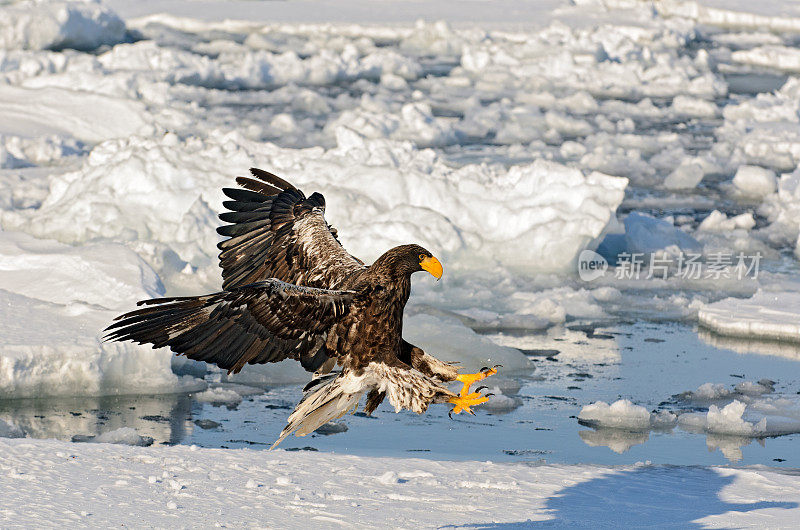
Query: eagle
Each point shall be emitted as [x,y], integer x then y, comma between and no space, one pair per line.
[291,291]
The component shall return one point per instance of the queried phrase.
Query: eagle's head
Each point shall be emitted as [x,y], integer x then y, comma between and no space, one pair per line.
[408,259]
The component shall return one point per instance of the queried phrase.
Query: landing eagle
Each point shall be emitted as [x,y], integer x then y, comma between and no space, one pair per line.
[291,291]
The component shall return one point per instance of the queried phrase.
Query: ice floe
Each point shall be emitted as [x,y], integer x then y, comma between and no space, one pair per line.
[767,315]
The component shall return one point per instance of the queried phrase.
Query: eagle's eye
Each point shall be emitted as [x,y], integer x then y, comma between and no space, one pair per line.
[421,257]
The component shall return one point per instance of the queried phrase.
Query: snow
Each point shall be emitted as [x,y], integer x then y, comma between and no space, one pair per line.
[771,315]
[109,485]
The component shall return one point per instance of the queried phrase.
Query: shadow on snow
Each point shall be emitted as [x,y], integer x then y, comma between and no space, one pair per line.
[659,496]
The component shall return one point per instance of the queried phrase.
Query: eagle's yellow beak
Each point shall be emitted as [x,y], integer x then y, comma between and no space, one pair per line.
[432,265]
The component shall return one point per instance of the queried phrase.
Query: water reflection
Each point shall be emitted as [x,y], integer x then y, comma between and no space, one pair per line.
[730,446]
[617,440]
[621,441]
[787,350]
[165,417]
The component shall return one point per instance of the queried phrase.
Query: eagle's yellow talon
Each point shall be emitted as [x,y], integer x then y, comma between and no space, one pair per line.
[463,403]
[468,379]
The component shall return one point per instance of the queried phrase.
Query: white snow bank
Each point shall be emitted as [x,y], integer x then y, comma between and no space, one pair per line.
[767,315]
[37,25]
[380,193]
[622,414]
[86,116]
[106,275]
[91,484]
[121,436]
[54,302]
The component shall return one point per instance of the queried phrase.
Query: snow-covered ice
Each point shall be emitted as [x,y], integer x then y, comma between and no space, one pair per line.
[56,299]
[767,315]
[108,485]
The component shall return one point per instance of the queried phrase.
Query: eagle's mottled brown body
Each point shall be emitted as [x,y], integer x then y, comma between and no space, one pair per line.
[290,290]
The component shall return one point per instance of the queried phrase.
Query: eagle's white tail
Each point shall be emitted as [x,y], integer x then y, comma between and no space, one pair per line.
[326,398]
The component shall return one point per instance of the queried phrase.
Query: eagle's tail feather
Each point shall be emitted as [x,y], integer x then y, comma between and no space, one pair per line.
[326,398]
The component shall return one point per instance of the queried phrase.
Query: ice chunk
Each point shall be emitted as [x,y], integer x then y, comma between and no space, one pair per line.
[164,193]
[219,395]
[754,181]
[696,107]
[708,392]
[500,403]
[623,414]
[730,420]
[687,175]
[83,25]
[719,222]
[772,56]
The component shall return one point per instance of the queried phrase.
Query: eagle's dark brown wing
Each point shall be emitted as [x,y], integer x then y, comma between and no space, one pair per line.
[259,323]
[276,232]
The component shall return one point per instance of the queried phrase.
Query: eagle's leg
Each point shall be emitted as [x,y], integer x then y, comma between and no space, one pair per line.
[468,379]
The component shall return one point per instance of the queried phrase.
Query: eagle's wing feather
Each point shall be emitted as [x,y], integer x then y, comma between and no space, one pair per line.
[275,231]
[263,322]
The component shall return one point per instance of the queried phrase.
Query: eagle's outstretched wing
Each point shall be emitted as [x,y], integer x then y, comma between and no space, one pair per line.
[263,322]
[276,232]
